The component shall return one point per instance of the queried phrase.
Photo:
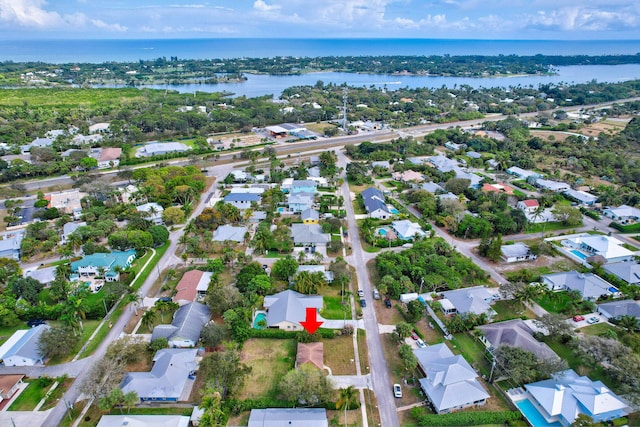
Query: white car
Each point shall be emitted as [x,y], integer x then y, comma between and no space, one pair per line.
[420,343]
[397,391]
[360,293]
[593,320]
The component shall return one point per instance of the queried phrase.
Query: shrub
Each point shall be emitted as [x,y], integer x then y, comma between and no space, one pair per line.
[464,418]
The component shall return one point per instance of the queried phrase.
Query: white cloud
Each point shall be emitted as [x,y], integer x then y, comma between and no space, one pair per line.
[262,6]
[579,18]
[98,23]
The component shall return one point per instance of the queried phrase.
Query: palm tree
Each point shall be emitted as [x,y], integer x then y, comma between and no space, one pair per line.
[346,400]
[628,322]
[129,400]
[149,318]
[525,294]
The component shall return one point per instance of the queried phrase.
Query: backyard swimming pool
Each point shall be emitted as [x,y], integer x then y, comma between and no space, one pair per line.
[257,321]
[534,416]
[579,254]
[394,211]
[382,231]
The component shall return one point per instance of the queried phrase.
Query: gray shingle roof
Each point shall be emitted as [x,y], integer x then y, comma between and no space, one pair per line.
[620,308]
[373,200]
[627,271]
[304,234]
[242,197]
[167,377]
[516,333]
[27,345]
[187,323]
[229,232]
[289,306]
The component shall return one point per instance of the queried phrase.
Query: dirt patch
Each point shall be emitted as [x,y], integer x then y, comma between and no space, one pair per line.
[339,355]
[354,417]
[270,360]
[133,321]
[541,262]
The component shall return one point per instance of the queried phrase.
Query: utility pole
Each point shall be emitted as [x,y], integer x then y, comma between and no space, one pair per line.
[344,109]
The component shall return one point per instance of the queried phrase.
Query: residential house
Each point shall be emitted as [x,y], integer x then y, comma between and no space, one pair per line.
[450,383]
[240,175]
[242,201]
[514,333]
[37,143]
[299,202]
[622,214]
[9,384]
[10,248]
[128,193]
[109,157]
[475,300]
[172,369]
[555,186]
[523,173]
[528,206]
[497,188]
[407,230]
[609,248]
[193,286]
[517,252]
[161,148]
[474,155]
[312,353]
[433,188]
[617,309]
[21,349]
[45,275]
[289,417]
[582,197]
[309,235]
[304,186]
[454,146]
[107,264]
[627,271]
[492,164]
[567,395]
[143,421]
[184,330]
[384,164]
[69,228]
[286,309]
[374,203]
[230,233]
[99,128]
[328,275]
[443,163]
[68,202]
[310,216]
[590,286]
[408,176]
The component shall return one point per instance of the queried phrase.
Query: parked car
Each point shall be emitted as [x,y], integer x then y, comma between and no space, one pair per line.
[592,320]
[414,335]
[165,299]
[376,294]
[35,322]
[397,391]
[578,318]
[360,293]
[420,343]
[387,302]
[363,303]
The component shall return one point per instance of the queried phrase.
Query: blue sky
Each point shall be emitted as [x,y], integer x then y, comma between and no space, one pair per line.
[469,19]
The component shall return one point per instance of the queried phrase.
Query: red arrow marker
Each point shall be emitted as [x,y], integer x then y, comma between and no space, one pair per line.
[310,323]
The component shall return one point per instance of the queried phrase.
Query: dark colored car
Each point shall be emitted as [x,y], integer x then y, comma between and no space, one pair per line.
[363,303]
[165,299]
[35,322]
[387,302]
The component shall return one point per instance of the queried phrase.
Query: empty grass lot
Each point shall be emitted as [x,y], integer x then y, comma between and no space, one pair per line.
[31,395]
[339,355]
[270,360]
[511,310]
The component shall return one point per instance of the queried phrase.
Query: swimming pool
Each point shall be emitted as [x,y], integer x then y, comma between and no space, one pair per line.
[579,254]
[394,211]
[259,317]
[534,416]
[382,231]
[281,210]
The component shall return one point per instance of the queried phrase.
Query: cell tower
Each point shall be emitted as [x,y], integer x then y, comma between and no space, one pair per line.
[344,109]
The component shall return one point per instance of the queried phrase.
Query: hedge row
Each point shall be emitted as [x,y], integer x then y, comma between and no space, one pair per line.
[236,406]
[285,335]
[631,228]
[465,418]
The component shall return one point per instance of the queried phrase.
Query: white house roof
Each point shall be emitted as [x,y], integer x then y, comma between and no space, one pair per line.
[432,187]
[470,300]
[450,380]
[143,421]
[514,170]
[552,185]
[407,229]
[289,306]
[148,207]
[289,417]
[606,246]
[567,395]
[589,285]
[43,275]
[623,211]
[443,163]
[328,275]
[581,196]
[229,232]
[168,376]
[518,249]
[310,214]
[627,271]
[70,227]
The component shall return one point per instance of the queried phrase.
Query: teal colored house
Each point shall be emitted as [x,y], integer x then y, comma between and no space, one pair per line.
[96,263]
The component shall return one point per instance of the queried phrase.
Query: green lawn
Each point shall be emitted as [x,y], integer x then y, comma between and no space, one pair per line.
[630,247]
[473,351]
[7,331]
[509,309]
[554,302]
[599,329]
[334,309]
[31,395]
[549,226]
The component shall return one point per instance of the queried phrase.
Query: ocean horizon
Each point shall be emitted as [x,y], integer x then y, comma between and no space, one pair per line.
[122,50]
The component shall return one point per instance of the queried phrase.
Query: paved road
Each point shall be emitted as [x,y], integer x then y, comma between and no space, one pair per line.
[377,363]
